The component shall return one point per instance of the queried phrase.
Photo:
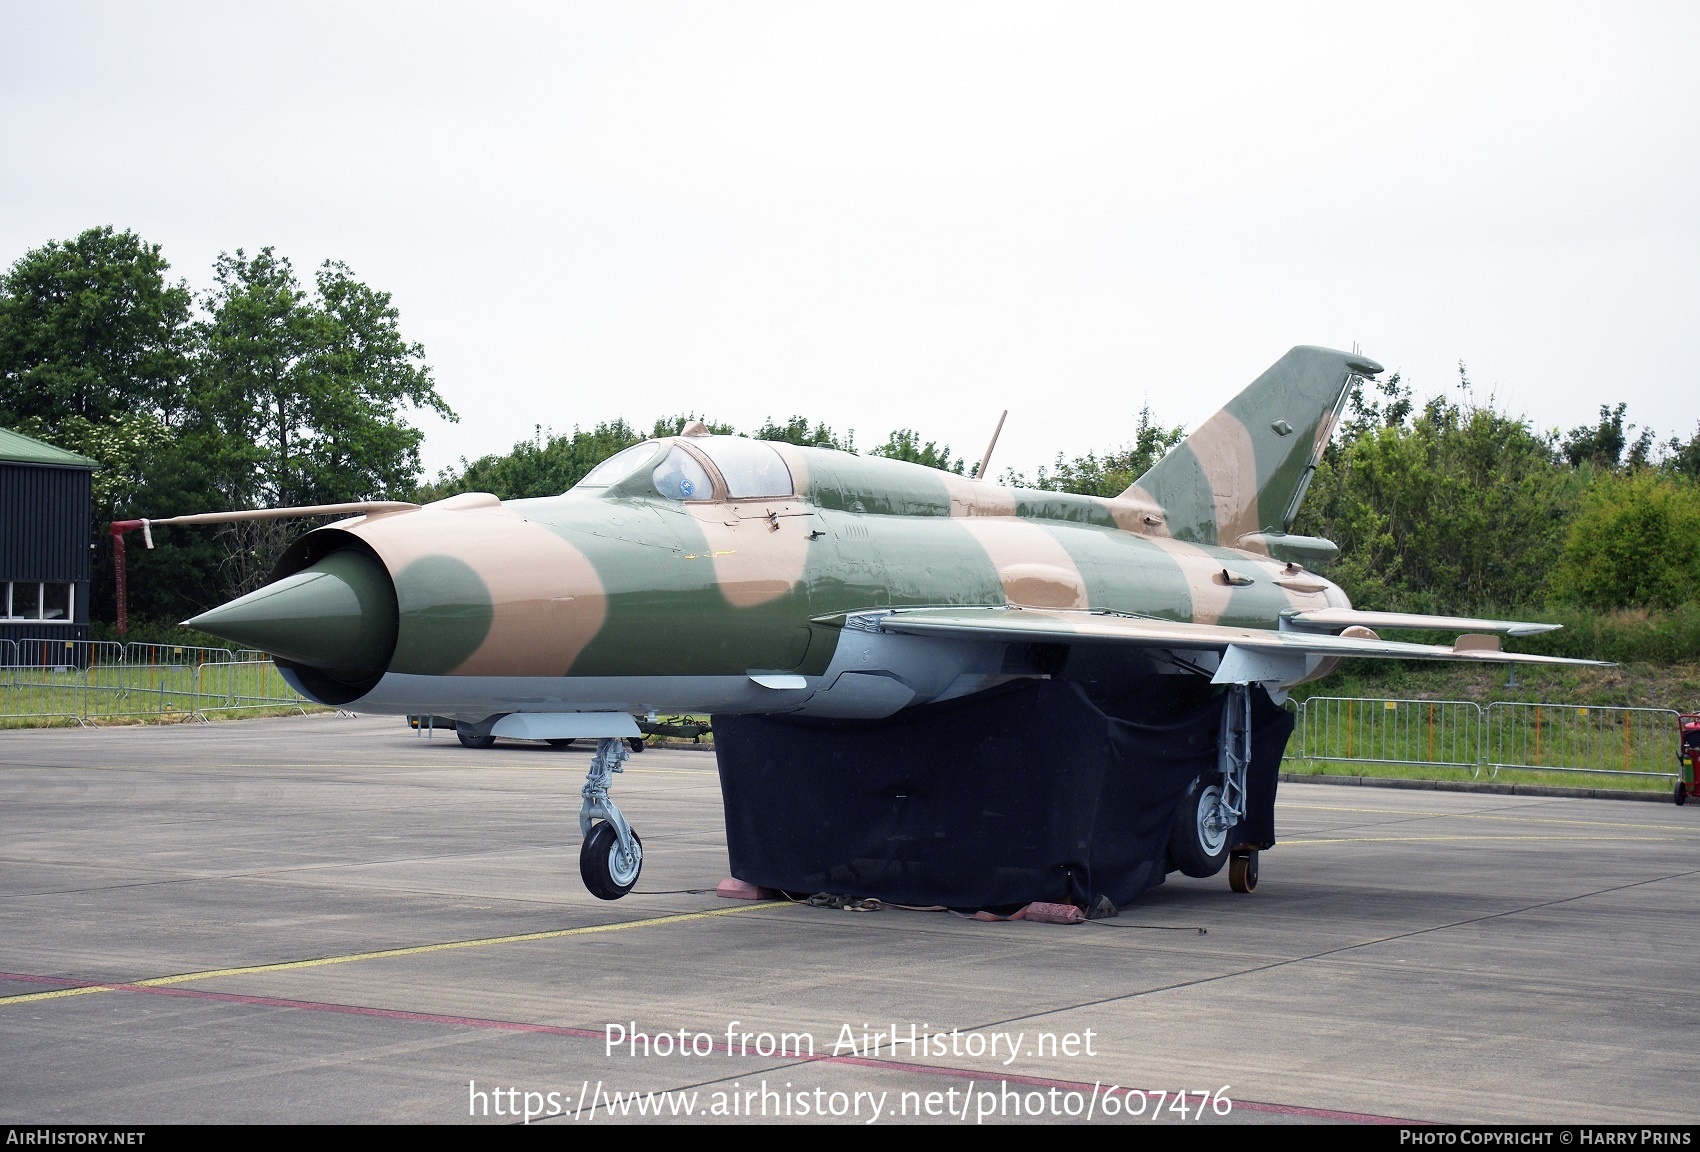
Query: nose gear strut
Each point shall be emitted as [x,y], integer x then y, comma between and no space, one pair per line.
[612,855]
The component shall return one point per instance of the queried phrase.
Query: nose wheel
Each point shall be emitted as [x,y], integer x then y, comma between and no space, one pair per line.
[611,856]
[608,870]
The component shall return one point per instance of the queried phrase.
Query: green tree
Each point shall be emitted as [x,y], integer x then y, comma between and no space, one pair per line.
[95,346]
[1461,510]
[1634,543]
[90,329]
[1375,404]
[905,444]
[1603,445]
[541,466]
[798,430]
[1110,474]
[306,395]
[1683,459]
[674,425]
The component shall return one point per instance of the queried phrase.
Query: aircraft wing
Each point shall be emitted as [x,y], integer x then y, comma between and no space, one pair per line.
[1247,653]
[1346,617]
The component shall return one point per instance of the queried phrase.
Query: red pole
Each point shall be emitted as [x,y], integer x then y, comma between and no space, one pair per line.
[118,528]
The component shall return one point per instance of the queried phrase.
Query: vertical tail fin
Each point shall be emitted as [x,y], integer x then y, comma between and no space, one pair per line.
[1245,469]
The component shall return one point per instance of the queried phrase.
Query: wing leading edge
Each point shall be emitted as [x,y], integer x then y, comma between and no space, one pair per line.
[1247,653]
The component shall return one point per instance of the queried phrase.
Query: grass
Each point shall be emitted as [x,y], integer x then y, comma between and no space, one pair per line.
[1301,767]
[1563,734]
[141,694]
[1643,684]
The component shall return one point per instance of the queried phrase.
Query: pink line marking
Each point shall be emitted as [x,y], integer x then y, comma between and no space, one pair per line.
[596,1034]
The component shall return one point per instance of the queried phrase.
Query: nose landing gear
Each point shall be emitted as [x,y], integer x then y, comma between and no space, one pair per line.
[612,855]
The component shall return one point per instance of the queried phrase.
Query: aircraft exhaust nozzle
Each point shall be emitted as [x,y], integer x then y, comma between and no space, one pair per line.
[337,617]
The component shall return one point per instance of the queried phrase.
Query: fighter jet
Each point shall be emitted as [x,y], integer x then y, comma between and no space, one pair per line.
[716,574]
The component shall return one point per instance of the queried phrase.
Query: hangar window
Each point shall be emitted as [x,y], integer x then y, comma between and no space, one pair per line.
[751,467]
[680,477]
[36,600]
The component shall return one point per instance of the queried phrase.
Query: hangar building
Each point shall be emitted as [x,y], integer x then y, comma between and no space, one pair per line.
[44,541]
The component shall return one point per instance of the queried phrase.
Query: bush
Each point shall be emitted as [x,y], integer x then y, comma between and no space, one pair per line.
[1634,543]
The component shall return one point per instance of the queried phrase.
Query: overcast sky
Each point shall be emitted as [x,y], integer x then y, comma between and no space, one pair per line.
[908,214]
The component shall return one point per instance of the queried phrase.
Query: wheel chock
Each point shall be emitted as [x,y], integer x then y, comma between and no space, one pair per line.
[732,888]
[1051,913]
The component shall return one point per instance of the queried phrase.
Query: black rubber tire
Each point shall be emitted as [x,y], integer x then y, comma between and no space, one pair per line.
[560,743]
[637,743]
[596,863]
[471,741]
[1188,853]
[1681,796]
[1242,872]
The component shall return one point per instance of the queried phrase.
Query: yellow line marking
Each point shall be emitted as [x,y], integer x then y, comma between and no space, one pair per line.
[386,953]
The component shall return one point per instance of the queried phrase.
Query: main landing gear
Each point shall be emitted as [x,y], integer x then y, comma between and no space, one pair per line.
[612,855]
[473,737]
[1202,839]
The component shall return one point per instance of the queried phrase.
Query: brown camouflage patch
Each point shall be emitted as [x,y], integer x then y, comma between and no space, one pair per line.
[759,547]
[978,498]
[547,601]
[1225,452]
[1203,571]
[1135,510]
[1035,570]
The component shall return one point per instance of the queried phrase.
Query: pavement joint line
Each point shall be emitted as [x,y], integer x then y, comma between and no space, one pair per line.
[268,873]
[887,1065]
[383,954]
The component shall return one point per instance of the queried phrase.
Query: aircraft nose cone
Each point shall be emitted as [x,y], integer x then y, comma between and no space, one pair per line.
[338,615]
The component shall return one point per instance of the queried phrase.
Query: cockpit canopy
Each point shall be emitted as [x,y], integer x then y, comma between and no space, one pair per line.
[697,468]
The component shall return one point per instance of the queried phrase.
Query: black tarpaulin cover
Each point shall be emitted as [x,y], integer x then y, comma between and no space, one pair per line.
[1031,792]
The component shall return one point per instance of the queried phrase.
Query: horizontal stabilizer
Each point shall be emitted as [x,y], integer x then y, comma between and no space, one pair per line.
[1334,618]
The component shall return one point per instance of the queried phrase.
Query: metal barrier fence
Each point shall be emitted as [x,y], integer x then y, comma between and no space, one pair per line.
[1615,741]
[45,653]
[177,654]
[42,681]
[1608,741]
[234,685]
[1440,733]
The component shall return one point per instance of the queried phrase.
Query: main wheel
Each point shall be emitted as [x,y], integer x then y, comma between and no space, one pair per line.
[607,871]
[465,732]
[560,743]
[1681,796]
[637,744]
[1198,845]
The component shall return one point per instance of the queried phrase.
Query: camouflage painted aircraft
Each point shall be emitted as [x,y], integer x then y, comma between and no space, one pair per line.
[717,574]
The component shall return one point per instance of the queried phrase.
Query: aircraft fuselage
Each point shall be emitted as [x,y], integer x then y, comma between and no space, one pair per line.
[753,604]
